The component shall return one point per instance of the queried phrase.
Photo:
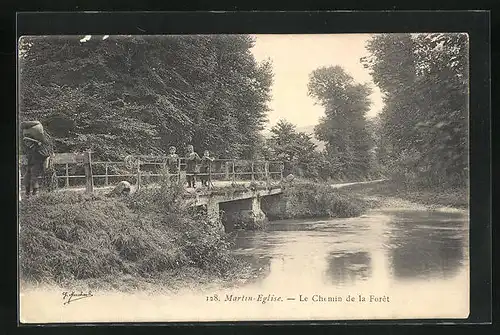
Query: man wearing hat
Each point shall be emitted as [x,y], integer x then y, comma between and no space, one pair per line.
[37,151]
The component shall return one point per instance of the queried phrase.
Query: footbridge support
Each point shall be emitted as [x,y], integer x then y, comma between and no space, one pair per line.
[234,208]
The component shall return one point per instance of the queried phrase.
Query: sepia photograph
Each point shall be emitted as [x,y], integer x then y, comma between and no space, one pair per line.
[242,177]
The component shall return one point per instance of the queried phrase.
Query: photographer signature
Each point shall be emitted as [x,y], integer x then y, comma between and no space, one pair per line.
[69,297]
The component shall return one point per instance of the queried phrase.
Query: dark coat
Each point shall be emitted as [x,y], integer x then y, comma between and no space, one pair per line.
[173,163]
[192,160]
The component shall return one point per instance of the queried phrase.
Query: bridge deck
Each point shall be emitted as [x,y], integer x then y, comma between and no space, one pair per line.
[216,196]
[189,190]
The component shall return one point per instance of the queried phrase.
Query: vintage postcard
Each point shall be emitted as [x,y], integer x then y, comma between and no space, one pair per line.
[192,178]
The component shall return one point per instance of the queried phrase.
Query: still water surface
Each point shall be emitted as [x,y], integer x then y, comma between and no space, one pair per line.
[381,251]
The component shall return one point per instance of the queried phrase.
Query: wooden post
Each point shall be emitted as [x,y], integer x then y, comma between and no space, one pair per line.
[266,170]
[89,187]
[226,170]
[179,170]
[282,167]
[106,175]
[209,175]
[234,173]
[67,175]
[253,177]
[138,174]
[164,168]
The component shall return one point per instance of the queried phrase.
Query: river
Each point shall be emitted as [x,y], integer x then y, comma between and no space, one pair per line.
[392,263]
[415,258]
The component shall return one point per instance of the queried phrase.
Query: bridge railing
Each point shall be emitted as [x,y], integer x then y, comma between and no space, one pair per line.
[79,169]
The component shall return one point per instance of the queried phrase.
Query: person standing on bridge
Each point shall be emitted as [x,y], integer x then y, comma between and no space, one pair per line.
[192,159]
[172,162]
[206,161]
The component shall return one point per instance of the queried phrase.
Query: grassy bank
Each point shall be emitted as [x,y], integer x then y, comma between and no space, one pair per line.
[308,200]
[72,238]
[431,197]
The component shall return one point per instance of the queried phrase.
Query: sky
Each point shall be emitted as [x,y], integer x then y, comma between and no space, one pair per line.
[294,57]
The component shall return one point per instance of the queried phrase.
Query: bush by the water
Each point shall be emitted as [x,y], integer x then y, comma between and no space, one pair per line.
[67,236]
[306,200]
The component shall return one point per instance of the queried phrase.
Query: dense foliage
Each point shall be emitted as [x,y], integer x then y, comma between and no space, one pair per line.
[296,149]
[424,124]
[122,95]
[344,128]
[310,200]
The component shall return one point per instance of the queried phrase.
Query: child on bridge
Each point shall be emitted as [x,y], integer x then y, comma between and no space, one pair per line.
[192,159]
[173,162]
[205,167]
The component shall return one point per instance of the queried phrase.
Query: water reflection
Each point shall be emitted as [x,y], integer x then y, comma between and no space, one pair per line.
[377,249]
[348,267]
[431,246]
[253,248]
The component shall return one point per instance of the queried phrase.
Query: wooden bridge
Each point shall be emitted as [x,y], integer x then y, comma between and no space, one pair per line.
[77,170]
[232,185]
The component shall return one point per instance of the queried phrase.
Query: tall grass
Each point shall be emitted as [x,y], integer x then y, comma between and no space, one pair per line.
[67,236]
[438,195]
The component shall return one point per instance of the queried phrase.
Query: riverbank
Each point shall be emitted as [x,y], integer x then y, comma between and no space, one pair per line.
[390,191]
[313,200]
[146,240]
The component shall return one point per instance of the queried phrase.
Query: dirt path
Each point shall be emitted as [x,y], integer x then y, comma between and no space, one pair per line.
[384,200]
[357,183]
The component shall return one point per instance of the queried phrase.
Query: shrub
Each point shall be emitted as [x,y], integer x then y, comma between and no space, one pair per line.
[305,200]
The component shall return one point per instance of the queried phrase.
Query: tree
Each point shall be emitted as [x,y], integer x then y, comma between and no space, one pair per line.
[344,127]
[284,140]
[296,149]
[424,79]
[236,105]
[263,149]
[377,147]
[122,95]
